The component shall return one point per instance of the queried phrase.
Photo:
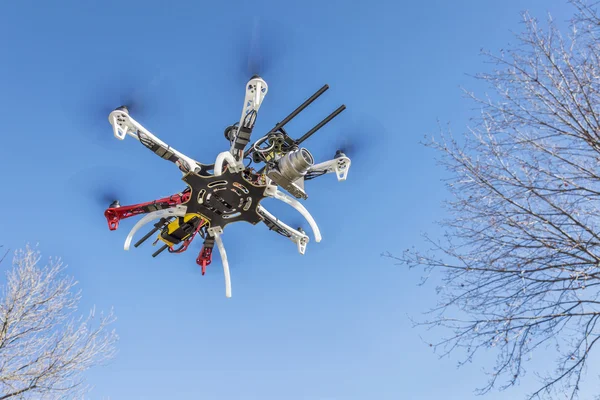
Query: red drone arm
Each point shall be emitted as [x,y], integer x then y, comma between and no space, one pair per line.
[115,214]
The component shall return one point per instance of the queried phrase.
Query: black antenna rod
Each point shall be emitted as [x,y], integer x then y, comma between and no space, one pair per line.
[313,130]
[300,108]
[297,111]
[157,226]
[157,252]
[321,124]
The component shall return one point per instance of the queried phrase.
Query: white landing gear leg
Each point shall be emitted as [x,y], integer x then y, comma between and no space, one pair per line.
[216,232]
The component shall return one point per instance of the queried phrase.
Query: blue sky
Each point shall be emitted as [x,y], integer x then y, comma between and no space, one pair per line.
[329,325]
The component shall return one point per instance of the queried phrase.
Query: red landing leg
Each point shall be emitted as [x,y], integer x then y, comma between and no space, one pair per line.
[205,256]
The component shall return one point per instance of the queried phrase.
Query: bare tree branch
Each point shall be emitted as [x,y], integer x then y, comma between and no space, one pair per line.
[44,349]
[520,253]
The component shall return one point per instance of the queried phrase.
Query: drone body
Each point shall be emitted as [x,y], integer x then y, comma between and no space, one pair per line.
[228,191]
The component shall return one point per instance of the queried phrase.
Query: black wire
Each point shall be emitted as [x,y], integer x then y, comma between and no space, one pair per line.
[248,118]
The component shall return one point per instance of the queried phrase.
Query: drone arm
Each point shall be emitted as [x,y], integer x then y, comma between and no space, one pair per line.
[300,238]
[178,211]
[115,214]
[256,90]
[124,124]
[216,232]
[272,191]
[339,165]
[121,127]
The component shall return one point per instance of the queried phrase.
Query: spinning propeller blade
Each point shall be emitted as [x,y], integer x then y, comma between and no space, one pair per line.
[263,44]
[137,91]
[256,62]
[359,139]
[99,186]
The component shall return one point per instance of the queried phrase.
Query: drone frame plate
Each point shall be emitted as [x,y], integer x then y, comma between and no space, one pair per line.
[226,198]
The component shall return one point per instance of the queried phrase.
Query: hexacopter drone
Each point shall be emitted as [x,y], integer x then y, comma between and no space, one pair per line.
[228,191]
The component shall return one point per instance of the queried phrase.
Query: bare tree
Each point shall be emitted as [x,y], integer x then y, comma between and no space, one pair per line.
[520,252]
[44,348]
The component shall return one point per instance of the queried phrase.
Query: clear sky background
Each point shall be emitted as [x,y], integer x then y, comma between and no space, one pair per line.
[329,325]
